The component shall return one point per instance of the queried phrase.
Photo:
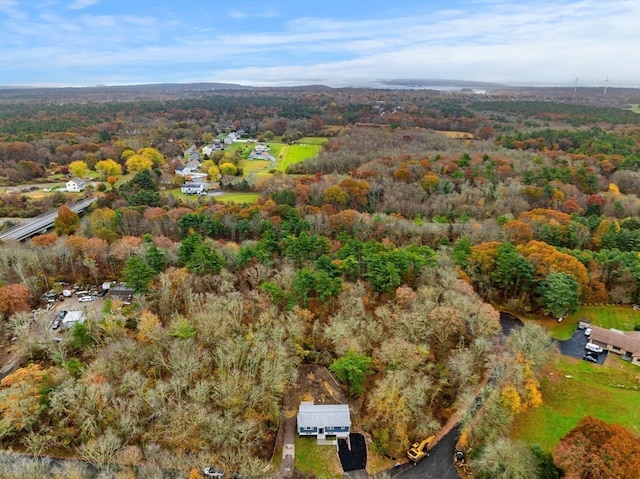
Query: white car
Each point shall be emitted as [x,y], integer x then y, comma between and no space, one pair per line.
[213,472]
[587,332]
[85,299]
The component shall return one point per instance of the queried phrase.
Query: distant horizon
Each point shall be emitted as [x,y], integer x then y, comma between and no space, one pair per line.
[374,84]
[82,43]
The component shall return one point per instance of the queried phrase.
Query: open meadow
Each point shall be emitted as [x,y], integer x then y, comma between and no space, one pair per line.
[572,389]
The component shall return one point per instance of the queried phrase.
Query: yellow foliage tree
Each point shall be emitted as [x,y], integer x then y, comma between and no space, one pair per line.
[213,172]
[157,158]
[149,328]
[139,163]
[108,168]
[228,169]
[20,397]
[79,169]
[533,397]
[511,400]
[335,194]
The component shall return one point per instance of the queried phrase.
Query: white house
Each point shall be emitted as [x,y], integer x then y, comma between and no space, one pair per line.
[183,171]
[207,150]
[76,185]
[192,188]
[323,420]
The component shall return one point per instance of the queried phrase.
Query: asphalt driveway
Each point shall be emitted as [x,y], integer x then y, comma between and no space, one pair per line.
[574,346]
[355,458]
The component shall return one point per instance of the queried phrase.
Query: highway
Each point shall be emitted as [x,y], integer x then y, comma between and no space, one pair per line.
[40,223]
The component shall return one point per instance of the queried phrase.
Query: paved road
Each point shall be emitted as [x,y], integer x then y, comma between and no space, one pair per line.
[39,223]
[438,465]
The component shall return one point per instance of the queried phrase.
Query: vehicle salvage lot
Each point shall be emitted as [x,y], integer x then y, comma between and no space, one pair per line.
[574,346]
[92,309]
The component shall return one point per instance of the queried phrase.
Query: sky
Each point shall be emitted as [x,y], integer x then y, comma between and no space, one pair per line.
[330,42]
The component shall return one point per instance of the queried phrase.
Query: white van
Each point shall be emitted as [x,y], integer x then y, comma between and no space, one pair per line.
[593,347]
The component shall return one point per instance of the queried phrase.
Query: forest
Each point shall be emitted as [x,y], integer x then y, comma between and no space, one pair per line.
[389,255]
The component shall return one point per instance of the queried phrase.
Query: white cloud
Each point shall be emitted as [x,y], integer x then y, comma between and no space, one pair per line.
[82,4]
[493,41]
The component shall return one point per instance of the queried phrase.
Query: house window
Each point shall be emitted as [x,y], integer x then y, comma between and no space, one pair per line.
[308,428]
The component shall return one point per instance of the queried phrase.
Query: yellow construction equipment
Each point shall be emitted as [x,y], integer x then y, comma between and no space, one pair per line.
[420,450]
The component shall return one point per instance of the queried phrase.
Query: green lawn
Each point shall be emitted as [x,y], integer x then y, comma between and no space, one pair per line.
[238,198]
[291,154]
[619,317]
[634,107]
[572,389]
[322,461]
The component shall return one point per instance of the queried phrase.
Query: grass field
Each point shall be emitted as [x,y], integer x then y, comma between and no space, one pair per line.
[619,317]
[322,461]
[291,154]
[634,107]
[239,197]
[572,389]
[313,140]
[251,165]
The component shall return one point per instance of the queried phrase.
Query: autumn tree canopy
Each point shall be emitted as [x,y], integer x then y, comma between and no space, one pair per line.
[595,449]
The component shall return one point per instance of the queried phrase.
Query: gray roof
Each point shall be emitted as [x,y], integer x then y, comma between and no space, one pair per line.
[323,415]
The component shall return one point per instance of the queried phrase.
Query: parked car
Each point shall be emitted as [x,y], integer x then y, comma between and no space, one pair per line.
[589,358]
[593,347]
[56,324]
[85,299]
[62,314]
[587,332]
[213,472]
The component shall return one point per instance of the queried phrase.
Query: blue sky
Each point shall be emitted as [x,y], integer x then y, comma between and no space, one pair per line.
[336,43]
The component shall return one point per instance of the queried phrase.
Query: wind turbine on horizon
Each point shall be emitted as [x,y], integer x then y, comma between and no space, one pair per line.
[575,83]
[606,84]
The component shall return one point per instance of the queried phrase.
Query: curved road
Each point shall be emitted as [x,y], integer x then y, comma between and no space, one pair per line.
[39,223]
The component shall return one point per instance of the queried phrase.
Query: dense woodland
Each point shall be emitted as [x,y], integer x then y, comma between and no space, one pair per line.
[389,254]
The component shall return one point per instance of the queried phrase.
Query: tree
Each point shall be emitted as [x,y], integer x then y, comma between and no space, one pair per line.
[505,459]
[513,272]
[79,169]
[157,158]
[67,221]
[352,369]
[228,169]
[559,294]
[13,298]
[139,163]
[597,450]
[137,274]
[108,168]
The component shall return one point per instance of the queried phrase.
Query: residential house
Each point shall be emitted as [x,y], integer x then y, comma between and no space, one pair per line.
[194,164]
[323,420]
[192,188]
[183,171]
[76,185]
[207,150]
[624,343]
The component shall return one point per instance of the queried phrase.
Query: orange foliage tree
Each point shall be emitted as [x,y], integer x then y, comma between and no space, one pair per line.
[13,298]
[546,259]
[597,450]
